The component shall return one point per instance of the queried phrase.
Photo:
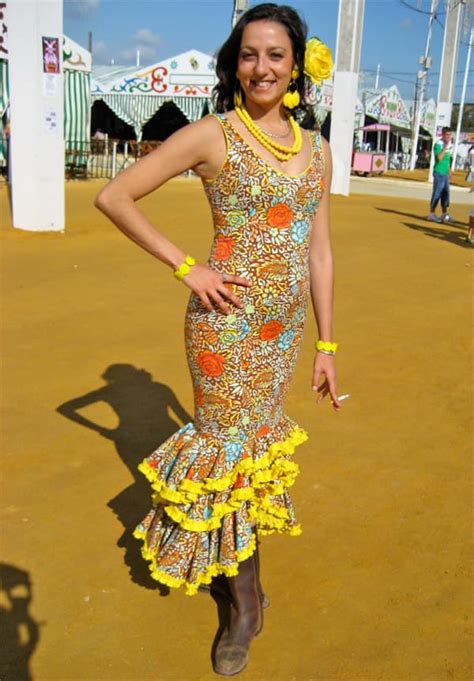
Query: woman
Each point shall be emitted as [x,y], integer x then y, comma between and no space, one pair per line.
[226,474]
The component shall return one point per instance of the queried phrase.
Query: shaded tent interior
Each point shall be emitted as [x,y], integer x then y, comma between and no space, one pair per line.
[168,119]
[105,120]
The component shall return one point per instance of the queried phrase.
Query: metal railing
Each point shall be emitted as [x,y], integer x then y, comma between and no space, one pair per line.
[103,158]
[4,144]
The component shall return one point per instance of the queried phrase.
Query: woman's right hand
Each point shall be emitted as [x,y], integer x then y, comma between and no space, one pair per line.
[211,287]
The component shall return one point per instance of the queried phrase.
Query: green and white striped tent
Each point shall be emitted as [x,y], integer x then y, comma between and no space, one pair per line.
[77,64]
[4,99]
[77,97]
[135,94]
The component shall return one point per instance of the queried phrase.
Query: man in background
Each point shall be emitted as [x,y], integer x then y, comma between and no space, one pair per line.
[443,151]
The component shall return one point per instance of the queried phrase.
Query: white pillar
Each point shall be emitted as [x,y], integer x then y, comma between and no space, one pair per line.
[463,96]
[346,77]
[35,37]
[447,78]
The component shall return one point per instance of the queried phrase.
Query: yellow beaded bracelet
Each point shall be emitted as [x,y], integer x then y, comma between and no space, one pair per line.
[184,269]
[326,347]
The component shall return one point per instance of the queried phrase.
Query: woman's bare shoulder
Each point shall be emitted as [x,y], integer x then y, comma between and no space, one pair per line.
[208,128]
[208,135]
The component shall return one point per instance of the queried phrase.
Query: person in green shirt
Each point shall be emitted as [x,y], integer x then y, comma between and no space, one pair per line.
[443,152]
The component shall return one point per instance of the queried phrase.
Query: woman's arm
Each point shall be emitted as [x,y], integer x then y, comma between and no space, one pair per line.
[70,410]
[322,286]
[200,146]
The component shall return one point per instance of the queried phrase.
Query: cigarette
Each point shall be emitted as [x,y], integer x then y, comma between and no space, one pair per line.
[343,397]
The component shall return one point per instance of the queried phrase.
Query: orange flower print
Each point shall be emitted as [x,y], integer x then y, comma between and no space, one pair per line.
[199,396]
[271,330]
[280,215]
[211,363]
[263,430]
[224,247]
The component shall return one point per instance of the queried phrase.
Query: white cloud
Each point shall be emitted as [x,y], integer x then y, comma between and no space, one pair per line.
[145,41]
[101,51]
[147,54]
[81,8]
[406,24]
[144,36]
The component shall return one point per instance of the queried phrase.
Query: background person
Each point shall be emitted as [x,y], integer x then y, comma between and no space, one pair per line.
[442,174]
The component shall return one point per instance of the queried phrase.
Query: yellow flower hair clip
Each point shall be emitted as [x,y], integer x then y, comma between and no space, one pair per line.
[317,60]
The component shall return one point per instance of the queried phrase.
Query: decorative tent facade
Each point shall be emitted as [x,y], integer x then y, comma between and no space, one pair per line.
[77,64]
[387,107]
[428,117]
[135,94]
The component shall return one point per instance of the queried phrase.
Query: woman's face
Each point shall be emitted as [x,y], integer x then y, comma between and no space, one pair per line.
[265,62]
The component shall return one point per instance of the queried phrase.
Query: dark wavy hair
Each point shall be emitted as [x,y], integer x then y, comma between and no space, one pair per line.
[227,57]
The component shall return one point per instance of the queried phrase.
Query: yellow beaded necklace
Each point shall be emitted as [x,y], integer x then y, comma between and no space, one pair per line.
[280,152]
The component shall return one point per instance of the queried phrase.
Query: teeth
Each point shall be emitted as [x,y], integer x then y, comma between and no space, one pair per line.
[262,83]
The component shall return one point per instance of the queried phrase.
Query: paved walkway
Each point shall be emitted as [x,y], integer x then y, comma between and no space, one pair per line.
[404,188]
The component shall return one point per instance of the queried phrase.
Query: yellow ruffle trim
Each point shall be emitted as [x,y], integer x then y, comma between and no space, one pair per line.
[204,577]
[264,469]
[268,517]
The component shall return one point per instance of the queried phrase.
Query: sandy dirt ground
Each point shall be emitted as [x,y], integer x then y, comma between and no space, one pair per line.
[377,587]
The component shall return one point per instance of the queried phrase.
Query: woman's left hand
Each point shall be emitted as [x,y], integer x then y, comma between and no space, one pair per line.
[325,365]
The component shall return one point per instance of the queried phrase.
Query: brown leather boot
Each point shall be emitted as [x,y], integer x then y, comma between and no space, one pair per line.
[263,598]
[232,651]
[219,587]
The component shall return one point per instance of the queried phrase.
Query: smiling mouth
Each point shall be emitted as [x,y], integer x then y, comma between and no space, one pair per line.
[262,84]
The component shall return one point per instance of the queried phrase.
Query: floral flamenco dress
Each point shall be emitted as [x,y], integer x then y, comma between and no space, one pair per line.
[229,470]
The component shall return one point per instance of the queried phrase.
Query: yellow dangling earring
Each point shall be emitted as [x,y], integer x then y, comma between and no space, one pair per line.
[237,96]
[291,99]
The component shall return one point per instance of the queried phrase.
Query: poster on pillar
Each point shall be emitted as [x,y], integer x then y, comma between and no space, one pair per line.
[3,31]
[51,66]
[51,63]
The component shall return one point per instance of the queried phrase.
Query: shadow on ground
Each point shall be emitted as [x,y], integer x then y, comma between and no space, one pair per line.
[19,631]
[418,217]
[456,238]
[143,408]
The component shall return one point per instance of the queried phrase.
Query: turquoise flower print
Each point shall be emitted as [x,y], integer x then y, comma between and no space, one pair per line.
[299,231]
[299,314]
[286,340]
[232,451]
[311,207]
[245,330]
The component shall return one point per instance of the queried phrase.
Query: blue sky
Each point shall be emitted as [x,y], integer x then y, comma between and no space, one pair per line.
[394,35]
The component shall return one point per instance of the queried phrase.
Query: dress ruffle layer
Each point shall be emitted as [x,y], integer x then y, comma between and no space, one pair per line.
[207,498]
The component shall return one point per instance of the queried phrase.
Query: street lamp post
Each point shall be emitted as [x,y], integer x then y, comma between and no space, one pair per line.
[463,96]
[240,6]
[426,62]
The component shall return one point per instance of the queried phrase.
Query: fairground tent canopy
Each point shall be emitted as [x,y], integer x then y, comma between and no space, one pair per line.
[387,107]
[77,64]
[135,94]
[76,67]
